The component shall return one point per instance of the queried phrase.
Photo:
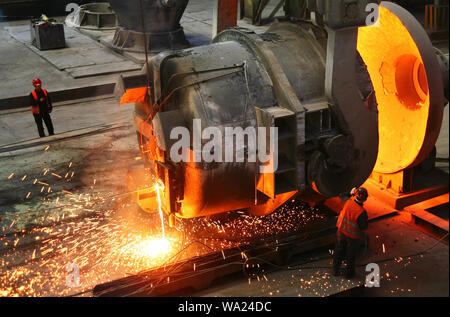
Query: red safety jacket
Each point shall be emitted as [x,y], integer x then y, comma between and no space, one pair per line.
[348,219]
[35,108]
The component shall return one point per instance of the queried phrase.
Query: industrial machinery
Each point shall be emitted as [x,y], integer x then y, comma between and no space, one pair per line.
[149,24]
[411,122]
[347,92]
[298,9]
[94,16]
[253,9]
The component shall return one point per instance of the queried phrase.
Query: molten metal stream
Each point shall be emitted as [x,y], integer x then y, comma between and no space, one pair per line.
[158,188]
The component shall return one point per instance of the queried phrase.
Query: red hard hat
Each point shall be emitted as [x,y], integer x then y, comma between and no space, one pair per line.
[36,82]
[361,194]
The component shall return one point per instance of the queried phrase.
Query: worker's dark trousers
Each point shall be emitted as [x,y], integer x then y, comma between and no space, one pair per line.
[48,122]
[345,249]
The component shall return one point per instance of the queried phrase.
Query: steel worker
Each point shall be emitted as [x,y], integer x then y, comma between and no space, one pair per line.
[41,107]
[352,222]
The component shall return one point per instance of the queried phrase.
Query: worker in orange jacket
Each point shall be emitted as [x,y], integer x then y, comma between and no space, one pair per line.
[352,222]
[41,107]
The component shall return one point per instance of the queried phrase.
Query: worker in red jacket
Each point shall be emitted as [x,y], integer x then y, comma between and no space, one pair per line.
[352,222]
[41,107]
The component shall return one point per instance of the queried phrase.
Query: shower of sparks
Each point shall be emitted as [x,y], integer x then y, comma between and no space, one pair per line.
[103,233]
[149,250]
[99,231]
[104,247]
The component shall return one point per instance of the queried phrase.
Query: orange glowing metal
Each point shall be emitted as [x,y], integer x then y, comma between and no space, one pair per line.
[134,95]
[271,204]
[154,247]
[398,74]
[144,251]
[160,187]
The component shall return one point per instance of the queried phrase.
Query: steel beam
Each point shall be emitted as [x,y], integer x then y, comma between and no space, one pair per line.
[225,15]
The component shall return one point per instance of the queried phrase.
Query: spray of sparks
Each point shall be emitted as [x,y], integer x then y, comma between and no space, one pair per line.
[106,236]
[159,188]
[151,248]
[101,232]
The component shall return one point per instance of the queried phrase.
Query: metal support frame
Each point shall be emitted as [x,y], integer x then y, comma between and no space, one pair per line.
[292,8]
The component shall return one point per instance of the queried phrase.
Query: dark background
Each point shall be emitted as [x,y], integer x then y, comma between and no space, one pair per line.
[24,9]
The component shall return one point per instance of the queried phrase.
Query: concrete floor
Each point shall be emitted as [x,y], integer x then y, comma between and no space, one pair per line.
[21,63]
[402,276]
[96,141]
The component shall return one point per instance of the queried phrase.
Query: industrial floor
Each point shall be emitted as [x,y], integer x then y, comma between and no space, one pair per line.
[60,69]
[63,199]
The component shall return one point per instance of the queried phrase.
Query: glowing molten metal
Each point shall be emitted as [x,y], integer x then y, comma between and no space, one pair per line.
[408,118]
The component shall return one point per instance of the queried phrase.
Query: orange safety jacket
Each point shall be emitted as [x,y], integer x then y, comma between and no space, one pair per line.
[35,108]
[348,219]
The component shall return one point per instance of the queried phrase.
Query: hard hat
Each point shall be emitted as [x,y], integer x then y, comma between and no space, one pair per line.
[361,194]
[37,82]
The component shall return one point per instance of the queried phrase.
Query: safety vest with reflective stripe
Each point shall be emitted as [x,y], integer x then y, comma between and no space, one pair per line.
[348,219]
[35,108]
